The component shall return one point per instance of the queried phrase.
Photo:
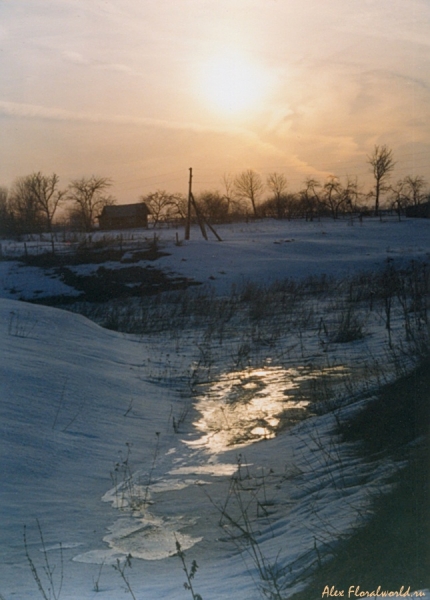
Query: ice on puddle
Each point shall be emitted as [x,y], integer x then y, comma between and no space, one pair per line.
[106,556]
[65,546]
[217,470]
[150,538]
[147,538]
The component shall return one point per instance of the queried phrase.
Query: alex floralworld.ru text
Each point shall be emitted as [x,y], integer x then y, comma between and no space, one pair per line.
[357,592]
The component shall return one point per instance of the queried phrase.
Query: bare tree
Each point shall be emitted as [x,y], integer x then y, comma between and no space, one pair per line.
[34,200]
[229,189]
[408,191]
[5,215]
[382,163]
[213,206]
[248,185]
[162,205]
[235,206]
[46,194]
[287,206]
[89,197]
[413,189]
[351,194]
[4,205]
[332,197]
[398,198]
[181,207]
[277,184]
[24,208]
[310,198]
[339,198]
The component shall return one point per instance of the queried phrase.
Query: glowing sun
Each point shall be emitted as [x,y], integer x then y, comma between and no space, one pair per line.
[232,84]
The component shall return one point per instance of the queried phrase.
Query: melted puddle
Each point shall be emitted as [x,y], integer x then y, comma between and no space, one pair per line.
[247,406]
[240,408]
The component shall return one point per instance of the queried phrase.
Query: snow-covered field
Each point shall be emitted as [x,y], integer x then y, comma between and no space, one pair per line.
[261,251]
[122,444]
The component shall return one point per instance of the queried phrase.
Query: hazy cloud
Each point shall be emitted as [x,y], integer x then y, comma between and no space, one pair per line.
[74,57]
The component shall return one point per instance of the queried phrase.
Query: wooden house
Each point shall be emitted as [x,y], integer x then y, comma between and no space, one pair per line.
[124,216]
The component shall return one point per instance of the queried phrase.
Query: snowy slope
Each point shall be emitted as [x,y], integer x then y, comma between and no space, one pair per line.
[73,397]
[88,447]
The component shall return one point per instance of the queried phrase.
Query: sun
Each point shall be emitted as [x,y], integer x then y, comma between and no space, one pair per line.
[232,84]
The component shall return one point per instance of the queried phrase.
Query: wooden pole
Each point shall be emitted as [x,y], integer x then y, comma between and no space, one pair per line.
[199,218]
[213,231]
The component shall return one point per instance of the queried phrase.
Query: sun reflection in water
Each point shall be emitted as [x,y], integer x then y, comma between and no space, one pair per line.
[244,407]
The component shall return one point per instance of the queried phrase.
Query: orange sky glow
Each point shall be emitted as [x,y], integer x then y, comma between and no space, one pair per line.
[139,91]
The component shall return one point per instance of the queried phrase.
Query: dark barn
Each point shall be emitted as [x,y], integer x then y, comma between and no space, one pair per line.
[124,216]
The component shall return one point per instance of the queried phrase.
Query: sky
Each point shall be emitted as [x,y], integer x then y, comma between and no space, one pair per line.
[140,91]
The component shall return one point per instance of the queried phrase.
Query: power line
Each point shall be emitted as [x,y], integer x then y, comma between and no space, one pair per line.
[160,183]
[160,175]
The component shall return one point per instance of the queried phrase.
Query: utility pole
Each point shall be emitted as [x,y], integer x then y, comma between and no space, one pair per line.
[190,195]
[200,218]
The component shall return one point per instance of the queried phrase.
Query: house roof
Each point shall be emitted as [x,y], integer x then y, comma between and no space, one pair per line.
[126,210]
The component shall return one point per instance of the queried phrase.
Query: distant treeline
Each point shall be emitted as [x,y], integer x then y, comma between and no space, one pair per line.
[31,204]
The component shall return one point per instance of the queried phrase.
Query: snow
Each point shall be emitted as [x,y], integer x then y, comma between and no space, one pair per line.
[274,250]
[90,450]
[262,251]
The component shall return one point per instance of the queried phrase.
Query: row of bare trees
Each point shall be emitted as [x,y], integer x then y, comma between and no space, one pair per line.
[33,201]
[248,194]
